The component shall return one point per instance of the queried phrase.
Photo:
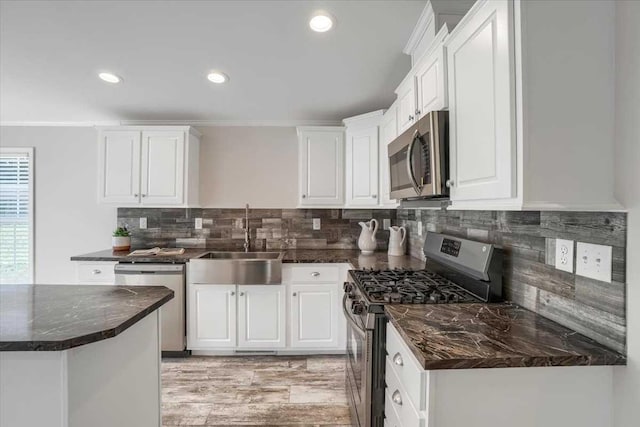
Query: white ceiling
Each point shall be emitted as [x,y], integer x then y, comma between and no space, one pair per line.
[280,71]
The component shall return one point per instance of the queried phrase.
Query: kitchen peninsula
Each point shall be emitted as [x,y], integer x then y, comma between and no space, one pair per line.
[78,355]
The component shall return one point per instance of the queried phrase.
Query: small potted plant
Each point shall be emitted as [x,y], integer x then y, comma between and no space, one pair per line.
[121,240]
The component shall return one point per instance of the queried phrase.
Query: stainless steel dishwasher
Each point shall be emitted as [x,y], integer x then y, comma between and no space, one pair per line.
[172,314]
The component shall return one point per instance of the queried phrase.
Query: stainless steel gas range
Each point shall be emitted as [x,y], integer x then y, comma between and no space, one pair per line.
[457,271]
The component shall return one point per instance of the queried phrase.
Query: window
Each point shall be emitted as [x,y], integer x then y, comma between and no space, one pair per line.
[16,215]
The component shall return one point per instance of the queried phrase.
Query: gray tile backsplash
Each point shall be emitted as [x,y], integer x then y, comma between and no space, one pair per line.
[591,307]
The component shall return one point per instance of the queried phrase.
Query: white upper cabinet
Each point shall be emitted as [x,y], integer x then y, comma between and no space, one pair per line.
[431,77]
[119,167]
[148,166]
[321,166]
[162,168]
[530,126]
[362,177]
[406,103]
[261,316]
[388,132]
[482,102]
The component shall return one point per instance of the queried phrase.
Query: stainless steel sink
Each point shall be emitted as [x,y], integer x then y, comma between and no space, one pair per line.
[236,268]
[241,255]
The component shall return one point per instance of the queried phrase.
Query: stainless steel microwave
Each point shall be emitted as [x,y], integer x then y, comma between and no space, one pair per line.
[419,159]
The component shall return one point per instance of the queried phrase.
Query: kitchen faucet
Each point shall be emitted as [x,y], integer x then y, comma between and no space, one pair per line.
[247,236]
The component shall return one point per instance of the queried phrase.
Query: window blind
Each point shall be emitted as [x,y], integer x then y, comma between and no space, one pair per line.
[16,226]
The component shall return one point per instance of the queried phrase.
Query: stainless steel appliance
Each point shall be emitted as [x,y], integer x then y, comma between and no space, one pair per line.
[173,317]
[419,159]
[456,271]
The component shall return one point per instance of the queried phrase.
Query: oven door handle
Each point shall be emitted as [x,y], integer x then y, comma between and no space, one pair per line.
[353,323]
[410,172]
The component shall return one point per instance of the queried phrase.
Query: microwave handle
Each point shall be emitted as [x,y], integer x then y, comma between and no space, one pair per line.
[410,172]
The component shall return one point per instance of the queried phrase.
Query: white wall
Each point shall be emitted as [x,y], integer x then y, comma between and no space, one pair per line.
[241,165]
[68,219]
[627,109]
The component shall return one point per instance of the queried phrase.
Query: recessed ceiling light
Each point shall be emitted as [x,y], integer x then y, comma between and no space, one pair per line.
[110,77]
[321,22]
[217,77]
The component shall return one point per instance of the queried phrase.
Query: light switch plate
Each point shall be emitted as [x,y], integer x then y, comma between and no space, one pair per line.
[386,223]
[198,224]
[594,261]
[420,228]
[143,223]
[564,255]
[316,223]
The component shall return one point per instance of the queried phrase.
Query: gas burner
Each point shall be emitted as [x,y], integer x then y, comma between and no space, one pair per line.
[409,287]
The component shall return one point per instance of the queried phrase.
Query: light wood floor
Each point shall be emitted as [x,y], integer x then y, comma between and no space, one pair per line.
[254,390]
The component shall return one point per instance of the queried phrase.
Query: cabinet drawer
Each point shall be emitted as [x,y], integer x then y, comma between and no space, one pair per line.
[96,272]
[405,367]
[390,416]
[405,412]
[312,274]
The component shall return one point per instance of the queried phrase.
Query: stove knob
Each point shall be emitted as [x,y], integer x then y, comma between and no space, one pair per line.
[348,287]
[357,307]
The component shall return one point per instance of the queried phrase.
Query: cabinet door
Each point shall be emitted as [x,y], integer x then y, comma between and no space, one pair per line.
[261,316]
[362,166]
[212,316]
[162,168]
[431,83]
[321,161]
[481,105]
[406,105]
[315,315]
[119,167]
[388,132]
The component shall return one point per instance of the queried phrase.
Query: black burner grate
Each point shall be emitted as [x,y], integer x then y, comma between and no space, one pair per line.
[410,287]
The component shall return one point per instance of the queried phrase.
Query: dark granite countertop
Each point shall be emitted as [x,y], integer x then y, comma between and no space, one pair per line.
[500,335]
[59,317]
[379,260]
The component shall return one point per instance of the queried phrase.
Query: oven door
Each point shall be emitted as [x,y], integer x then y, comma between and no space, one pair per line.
[358,367]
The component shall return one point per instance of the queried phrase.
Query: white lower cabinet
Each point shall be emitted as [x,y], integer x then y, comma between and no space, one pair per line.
[261,316]
[314,315]
[211,319]
[303,314]
[95,273]
[526,397]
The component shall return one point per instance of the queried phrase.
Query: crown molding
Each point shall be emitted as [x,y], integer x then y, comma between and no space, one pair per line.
[205,123]
[426,16]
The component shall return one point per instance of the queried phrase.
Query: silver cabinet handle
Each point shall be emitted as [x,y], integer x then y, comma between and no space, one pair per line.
[410,118]
[449,183]
[304,196]
[136,195]
[144,195]
[417,112]
[397,359]
[241,294]
[397,399]
[375,196]
[295,294]
[96,271]
[315,274]
[232,293]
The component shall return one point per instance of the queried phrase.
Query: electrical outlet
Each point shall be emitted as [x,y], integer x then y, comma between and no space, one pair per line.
[420,228]
[198,224]
[564,255]
[316,223]
[386,224]
[143,223]
[594,261]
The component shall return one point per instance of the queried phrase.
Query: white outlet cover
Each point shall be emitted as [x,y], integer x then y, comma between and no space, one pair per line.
[420,228]
[316,223]
[386,223]
[594,261]
[198,224]
[143,223]
[564,255]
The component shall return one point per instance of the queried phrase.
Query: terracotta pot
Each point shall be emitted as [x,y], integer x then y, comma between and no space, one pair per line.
[121,243]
